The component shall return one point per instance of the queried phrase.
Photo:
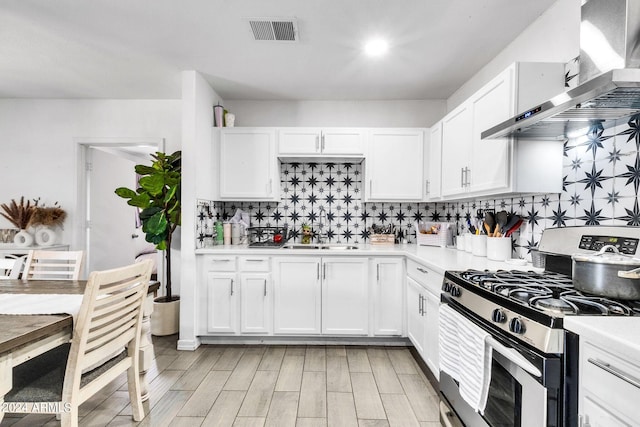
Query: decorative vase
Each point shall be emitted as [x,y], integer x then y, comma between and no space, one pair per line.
[165,318]
[23,238]
[45,236]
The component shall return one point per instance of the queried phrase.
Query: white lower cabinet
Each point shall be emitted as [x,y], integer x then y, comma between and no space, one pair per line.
[609,384]
[297,295]
[255,303]
[314,295]
[415,315]
[387,289]
[423,311]
[222,302]
[345,296]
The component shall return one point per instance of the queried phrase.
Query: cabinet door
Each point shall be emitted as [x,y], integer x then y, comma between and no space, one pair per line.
[394,165]
[248,165]
[255,303]
[490,158]
[342,141]
[388,296]
[415,314]
[345,296]
[296,295]
[594,415]
[433,163]
[222,303]
[456,149]
[431,338]
[296,141]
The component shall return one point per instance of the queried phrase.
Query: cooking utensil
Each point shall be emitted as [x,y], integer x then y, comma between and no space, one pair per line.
[502,218]
[513,220]
[490,220]
[514,228]
[608,274]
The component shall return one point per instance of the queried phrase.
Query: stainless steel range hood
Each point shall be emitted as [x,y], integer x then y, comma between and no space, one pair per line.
[609,90]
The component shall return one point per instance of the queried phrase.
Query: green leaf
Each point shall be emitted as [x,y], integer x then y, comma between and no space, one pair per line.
[144,170]
[125,193]
[149,212]
[139,200]
[157,224]
[153,184]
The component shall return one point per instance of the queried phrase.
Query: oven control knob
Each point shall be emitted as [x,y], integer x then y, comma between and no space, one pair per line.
[498,316]
[446,287]
[516,326]
[455,291]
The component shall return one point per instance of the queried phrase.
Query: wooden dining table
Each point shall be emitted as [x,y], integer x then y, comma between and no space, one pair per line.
[23,337]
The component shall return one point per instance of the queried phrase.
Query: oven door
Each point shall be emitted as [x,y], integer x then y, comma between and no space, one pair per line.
[516,397]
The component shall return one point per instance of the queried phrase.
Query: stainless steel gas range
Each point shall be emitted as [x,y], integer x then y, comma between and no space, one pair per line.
[534,360]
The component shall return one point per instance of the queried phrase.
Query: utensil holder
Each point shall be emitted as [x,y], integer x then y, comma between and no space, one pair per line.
[468,245]
[498,248]
[538,259]
[479,244]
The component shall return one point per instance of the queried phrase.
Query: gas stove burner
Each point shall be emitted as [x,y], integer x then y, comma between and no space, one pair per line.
[555,304]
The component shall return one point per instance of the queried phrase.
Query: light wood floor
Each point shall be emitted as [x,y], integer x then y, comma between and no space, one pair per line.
[269,386]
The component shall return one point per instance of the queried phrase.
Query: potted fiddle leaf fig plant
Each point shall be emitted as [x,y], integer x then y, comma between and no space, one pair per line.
[158,199]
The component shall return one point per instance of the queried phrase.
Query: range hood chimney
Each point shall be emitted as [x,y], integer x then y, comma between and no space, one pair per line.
[609,89]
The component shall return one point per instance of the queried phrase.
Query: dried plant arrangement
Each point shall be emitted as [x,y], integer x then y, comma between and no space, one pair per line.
[48,216]
[20,214]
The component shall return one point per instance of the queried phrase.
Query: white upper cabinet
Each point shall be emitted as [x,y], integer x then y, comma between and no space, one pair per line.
[475,167]
[394,165]
[433,163]
[319,142]
[456,144]
[248,164]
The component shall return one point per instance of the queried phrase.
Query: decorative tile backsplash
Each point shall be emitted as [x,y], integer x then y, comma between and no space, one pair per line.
[600,187]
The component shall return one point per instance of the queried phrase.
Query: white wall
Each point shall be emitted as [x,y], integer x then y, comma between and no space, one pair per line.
[553,37]
[401,113]
[198,99]
[39,152]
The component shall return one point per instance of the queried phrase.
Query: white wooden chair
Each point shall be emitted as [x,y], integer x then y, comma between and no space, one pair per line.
[109,320]
[10,268]
[53,265]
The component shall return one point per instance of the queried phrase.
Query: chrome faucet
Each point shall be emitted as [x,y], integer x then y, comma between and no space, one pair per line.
[321,235]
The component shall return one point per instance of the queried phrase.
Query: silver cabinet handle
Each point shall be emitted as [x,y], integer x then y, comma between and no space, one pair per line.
[426,191]
[270,185]
[220,260]
[324,271]
[461,177]
[422,270]
[322,142]
[317,143]
[265,287]
[370,186]
[231,287]
[466,178]
[378,272]
[318,271]
[254,260]
[616,372]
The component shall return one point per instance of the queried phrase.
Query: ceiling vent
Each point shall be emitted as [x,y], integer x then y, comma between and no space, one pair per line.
[274,29]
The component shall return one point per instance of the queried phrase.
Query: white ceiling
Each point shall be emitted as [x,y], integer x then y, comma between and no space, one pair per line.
[137,48]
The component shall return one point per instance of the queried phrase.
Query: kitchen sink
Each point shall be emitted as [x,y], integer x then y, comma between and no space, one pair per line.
[324,247]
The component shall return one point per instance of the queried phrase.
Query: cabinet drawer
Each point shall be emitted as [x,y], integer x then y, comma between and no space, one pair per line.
[221,263]
[253,263]
[603,375]
[419,272]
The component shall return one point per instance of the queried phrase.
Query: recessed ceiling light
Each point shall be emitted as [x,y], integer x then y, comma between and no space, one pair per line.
[376,47]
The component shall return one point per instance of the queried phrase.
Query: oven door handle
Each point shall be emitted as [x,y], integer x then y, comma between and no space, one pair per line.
[513,356]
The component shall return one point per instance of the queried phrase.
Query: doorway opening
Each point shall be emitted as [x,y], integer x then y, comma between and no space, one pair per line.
[110,233]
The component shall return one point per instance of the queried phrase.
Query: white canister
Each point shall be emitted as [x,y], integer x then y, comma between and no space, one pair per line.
[499,248]
[227,233]
[479,244]
[467,242]
[235,234]
[460,242]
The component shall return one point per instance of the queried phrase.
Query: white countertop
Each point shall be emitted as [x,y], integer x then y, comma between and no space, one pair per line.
[437,258]
[619,335]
